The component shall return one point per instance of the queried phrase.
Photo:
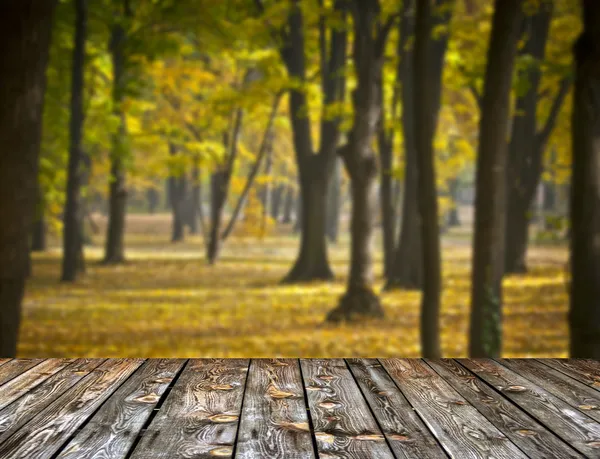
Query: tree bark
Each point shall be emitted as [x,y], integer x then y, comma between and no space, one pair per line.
[217,204]
[524,166]
[453,218]
[360,160]
[584,310]
[25,28]
[114,251]
[386,190]
[314,170]
[73,216]
[195,202]
[427,73]
[490,207]
[334,203]
[177,199]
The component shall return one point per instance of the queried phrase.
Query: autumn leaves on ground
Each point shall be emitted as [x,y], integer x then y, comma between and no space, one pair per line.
[166,301]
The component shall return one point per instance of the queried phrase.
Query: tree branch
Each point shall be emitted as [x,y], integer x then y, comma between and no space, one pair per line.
[543,136]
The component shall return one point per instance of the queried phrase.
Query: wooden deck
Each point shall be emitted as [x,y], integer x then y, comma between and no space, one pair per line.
[288,408]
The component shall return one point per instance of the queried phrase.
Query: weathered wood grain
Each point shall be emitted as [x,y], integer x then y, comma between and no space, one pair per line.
[274,421]
[574,427]
[15,367]
[576,394]
[200,416]
[458,426]
[582,370]
[525,432]
[404,430]
[343,423]
[23,383]
[112,431]
[43,435]
[30,404]
[3,361]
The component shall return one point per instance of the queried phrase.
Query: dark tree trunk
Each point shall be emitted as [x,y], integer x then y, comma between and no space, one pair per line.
[584,312]
[276,204]
[218,197]
[73,216]
[453,218]
[153,199]
[266,194]
[195,199]
[177,197]
[427,74]
[334,203]
[289,205]
[25,27]
[114,251]
[527,144]
[490,210]
[386,199]
[314,170]
[298,221]
[360,160]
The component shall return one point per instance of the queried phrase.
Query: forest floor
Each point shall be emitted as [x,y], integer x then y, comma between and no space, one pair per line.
[167,302]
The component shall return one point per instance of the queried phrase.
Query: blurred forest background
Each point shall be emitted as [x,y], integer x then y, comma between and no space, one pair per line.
[308,178]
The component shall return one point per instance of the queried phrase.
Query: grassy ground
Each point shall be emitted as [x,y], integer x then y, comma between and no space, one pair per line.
[167,302]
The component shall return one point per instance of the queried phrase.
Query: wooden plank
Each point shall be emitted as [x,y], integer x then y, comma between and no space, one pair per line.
[44,434]
[404,430]
[15,367]
[18,386]
[462,430]
[525,432]
[3,361]
[27,406]
[574,427]
[200,416]
[573,392]
[579,369]
[342,420]
[274,421]
[112,431]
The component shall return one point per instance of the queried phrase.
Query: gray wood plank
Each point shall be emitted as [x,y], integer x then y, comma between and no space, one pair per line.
[21,384]
[110,434]
[15,367]
[579,369]
[3,361]
[274,421]
[44,434]
[30,404]
[524,431]
[404,430]
[573,392]
[342,420]
[462,430]
[574,427]
[200,416]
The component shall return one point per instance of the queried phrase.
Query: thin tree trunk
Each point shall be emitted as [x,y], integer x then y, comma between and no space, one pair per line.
[195,199]
[490,209]
[386,190]
[266,195]
[177,198]
[584,311]
[453,218]
[152,197]
[428,68]
[217,204]
[276,204]
[25,27]
[288,207]
[73,216]
[38,237]
[334,203]
[115,248]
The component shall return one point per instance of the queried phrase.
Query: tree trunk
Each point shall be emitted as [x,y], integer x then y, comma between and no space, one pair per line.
[312,263]
[276,204]
[217,204]
[114,251]
[388,212]
[427,74]
[38,239]
[490,210]
[73,216]
[314,170]
[25,27]
[195,199]
[360,161]
[334,203]
[298,222]
[177,199]
[289,205]
[153,199]
[584,311]
[406,270]
[266,195]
